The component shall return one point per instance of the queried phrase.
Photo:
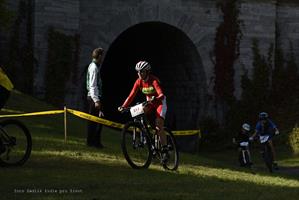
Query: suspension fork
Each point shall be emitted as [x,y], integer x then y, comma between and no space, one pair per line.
[142,135]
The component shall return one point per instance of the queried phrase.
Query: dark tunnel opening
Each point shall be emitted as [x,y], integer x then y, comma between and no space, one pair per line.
[174,60]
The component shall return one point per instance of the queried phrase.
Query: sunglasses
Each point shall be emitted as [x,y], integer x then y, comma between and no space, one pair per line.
[141,72]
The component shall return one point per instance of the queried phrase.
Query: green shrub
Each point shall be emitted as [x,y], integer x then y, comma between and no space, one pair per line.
[294,140]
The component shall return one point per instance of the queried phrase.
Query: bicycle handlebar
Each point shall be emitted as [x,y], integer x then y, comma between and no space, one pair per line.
[123,110]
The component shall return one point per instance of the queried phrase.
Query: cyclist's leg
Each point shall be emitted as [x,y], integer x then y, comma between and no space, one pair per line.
[163,139]
[160,130]
[160,116]
[275,165]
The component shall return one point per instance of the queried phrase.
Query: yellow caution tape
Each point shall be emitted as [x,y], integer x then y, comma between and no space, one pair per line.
[11,111]
[120,126]
[51,112]
[95,119]
[187,132]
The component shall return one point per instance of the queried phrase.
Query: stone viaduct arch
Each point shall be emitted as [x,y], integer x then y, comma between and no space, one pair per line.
[171,41]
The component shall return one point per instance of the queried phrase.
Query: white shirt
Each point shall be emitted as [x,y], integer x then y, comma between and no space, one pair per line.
[94,82]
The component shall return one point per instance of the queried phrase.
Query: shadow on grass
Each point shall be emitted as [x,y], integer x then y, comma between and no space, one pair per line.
[111,139]
[228,159]
[104,174]
[102,180]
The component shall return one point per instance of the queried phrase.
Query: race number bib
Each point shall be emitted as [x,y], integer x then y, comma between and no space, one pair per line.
[264,138]
[136,110]
[244,144]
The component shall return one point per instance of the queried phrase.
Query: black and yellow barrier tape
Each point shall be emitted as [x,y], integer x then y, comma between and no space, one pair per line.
[50,112]
[94,119]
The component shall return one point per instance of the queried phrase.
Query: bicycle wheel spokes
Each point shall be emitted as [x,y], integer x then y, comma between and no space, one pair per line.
[135,146]
[173,160]
[17,142]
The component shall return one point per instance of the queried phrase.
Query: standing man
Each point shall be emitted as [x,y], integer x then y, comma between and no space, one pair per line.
[94,98]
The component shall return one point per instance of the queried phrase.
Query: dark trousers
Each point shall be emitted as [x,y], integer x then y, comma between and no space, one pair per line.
[93,129]
[4,95]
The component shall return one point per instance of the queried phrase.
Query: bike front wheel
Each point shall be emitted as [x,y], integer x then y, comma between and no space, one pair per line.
[16,141]
[173,159]
[136,145]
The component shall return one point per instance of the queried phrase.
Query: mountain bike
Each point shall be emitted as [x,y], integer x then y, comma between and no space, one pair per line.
[140,143]
[16,143]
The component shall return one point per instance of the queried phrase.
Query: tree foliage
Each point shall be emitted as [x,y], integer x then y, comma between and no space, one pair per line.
[5,15]
[271,89]
[260,79]
[226,51]
[61,65]
[21,58]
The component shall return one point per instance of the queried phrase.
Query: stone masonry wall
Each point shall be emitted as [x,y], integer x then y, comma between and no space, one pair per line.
[258,22]
[63,15]
[288,24]
[100,22]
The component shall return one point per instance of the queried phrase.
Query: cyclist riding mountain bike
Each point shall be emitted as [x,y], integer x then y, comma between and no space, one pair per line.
[6,87]
[265,127]
[149,85]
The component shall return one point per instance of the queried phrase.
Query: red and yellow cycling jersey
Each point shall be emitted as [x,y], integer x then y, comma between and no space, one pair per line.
[151,87]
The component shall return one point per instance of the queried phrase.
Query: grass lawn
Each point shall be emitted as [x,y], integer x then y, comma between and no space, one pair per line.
[73,171]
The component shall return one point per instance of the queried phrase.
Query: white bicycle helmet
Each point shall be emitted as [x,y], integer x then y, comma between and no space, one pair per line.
[142,65]
[246,127]
[263,115]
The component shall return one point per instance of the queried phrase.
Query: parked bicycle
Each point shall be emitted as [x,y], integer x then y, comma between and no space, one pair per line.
[16,143]
[140,143]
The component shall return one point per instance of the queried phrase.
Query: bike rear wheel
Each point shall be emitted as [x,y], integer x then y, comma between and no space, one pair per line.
[136,145]
[173,160]
[17,143]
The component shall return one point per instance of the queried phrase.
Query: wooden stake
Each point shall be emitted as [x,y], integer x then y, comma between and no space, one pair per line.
[65,125]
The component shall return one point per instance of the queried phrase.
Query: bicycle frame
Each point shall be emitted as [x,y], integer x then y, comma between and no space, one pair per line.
[154,141]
